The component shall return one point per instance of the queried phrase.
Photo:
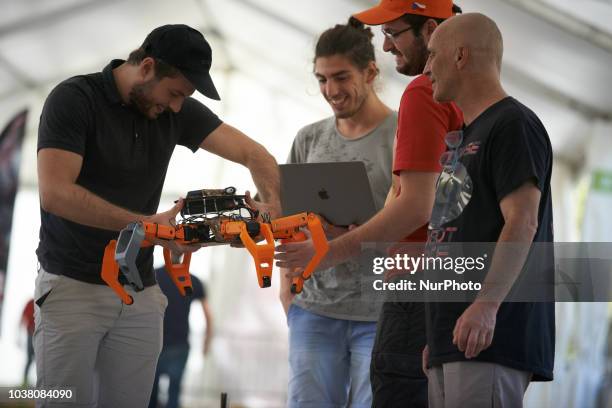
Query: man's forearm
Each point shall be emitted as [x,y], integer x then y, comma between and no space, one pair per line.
[207,318]
[393,190]
[507,263]
[209,327]
[265,173]
[394,222]
[79,205]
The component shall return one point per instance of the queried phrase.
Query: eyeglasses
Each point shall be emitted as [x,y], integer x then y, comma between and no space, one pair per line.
[449,159]
[391,35]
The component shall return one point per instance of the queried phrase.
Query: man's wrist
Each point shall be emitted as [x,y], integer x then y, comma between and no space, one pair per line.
[489,303]
[142,217]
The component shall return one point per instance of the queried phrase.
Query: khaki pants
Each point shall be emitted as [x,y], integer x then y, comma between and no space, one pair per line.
[476,384]
[86,339]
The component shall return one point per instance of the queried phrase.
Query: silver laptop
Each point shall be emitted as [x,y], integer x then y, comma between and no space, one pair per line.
[339,191]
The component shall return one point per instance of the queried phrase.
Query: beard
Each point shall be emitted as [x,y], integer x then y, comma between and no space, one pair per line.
[140,97]
[415,64]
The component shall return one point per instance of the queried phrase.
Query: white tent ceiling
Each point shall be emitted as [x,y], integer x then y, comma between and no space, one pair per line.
[557,52]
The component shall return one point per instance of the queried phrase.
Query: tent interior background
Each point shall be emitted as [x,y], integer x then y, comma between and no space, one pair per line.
[558,55]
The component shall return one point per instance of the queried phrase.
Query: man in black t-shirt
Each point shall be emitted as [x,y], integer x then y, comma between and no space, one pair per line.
[104,144]
[175,352]
[495,187]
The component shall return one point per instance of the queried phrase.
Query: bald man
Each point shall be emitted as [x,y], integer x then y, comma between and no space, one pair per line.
[485,353]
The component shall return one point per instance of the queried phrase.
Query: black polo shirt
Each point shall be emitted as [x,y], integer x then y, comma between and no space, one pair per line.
[125,158]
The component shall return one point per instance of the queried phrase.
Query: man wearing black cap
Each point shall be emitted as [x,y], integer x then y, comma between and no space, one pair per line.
[104,144]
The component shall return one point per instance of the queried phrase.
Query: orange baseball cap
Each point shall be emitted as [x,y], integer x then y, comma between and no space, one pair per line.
[389,10]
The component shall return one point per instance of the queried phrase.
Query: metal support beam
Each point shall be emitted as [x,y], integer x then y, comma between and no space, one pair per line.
[52,17]
[36,22]
[22,80]
[277,17]
[514,73]
[565,21]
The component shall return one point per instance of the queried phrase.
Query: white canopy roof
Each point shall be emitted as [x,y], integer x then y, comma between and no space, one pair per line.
[558,53]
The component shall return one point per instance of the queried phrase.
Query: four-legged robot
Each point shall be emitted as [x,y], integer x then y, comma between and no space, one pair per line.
[209,217]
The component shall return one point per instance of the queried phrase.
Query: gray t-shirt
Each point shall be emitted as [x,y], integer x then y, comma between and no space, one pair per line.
[336,292]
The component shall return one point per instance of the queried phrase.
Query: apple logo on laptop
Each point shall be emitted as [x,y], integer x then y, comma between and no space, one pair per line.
[323,194]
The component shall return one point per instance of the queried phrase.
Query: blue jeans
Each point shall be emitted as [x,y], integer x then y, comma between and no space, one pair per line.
[172,362]
[329,361]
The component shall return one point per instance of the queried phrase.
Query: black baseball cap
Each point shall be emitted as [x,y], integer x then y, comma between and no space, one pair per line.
[186,50]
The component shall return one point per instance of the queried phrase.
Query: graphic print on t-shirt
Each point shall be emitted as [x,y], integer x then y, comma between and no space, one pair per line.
[453,193]
[453,190]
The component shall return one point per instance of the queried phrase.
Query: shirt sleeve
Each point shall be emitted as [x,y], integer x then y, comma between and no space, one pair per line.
[197,122]
[422,125]
[198,288]
[297,152]
[66,119]
[519,152]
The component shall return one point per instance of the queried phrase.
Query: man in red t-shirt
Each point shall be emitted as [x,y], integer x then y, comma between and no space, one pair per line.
[395,372]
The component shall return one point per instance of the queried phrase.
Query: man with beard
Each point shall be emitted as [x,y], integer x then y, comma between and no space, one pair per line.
[395,371]
[331,331]
[104,144]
